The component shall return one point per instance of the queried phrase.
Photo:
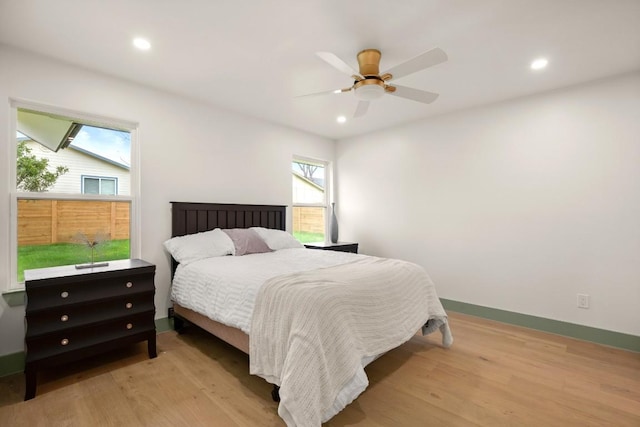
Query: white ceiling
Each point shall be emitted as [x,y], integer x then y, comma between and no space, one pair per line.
[255,56]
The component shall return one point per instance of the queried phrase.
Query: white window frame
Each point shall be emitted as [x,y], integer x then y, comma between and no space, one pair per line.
[328,194]
[100,179]
[89,119]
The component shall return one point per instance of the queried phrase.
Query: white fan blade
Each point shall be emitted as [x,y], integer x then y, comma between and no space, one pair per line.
[361,109]
[326,92]
[414,94]
[338,63]
[420,62]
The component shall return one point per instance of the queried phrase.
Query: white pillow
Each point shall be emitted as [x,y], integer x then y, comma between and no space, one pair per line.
[277,239]
[194,247]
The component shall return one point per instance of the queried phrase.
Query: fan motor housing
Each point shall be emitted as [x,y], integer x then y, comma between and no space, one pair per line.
[369,62]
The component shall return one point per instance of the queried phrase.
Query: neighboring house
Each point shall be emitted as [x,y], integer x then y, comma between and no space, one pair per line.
[89,173]
[305,190]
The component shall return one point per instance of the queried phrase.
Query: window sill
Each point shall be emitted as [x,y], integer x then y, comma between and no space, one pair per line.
[15,297]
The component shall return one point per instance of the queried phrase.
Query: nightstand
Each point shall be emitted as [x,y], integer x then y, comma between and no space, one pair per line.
[76,313]
[328,246]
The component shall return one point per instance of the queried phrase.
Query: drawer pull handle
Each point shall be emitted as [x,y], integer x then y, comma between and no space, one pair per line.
[129,305]
[64,318]
[129,285]
[64,341]
[129,325]
[64,294]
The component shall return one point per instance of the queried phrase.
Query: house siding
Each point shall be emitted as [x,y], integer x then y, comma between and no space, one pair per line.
[80,164]
[304,192]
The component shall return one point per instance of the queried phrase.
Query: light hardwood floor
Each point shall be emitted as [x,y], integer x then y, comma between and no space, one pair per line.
[494,375]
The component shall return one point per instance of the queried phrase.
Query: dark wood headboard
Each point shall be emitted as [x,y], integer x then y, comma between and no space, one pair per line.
[191,218]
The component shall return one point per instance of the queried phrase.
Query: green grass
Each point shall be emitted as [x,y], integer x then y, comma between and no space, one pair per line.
[38,256]
[306,237]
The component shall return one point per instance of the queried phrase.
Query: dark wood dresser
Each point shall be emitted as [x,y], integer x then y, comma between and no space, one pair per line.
[339,246]
[76,313]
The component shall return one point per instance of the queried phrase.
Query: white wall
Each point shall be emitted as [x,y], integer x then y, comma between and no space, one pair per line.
[189,152]
[517,206]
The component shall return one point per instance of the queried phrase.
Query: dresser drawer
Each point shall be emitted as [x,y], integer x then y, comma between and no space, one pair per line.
[64,317]
[68,340]
[69,293]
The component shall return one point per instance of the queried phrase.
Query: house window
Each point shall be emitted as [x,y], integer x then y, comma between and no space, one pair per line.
[99,185]
[310,187]
[73,190]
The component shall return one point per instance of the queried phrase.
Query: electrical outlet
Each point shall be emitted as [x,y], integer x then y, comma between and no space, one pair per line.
[583,301]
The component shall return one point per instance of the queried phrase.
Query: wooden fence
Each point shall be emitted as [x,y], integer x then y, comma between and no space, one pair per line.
[309,219]
[42,222]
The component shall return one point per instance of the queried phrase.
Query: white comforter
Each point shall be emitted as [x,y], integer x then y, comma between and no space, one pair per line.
[225,289]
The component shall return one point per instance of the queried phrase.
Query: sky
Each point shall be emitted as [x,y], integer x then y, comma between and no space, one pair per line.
[112,144]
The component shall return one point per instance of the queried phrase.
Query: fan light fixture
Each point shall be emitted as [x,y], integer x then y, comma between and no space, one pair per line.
[368,92]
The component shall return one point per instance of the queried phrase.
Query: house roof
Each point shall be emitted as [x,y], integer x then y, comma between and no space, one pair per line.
[306,180]
[52,131]
[84,151]
[99,157]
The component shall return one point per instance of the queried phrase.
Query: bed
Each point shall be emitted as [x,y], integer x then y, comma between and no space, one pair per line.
[191,218]
[316,365]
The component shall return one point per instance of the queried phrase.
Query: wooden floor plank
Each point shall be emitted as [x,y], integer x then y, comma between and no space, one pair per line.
[494,375]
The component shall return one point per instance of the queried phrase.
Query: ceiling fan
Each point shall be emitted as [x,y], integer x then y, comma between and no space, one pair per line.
[369,84]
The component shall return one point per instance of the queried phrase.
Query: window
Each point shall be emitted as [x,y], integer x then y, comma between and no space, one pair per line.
[310,186]
[99,185]
[72,201]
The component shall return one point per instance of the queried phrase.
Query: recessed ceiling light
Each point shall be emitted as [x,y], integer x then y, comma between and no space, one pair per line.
[539,64]
[341,119]
[142,44]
